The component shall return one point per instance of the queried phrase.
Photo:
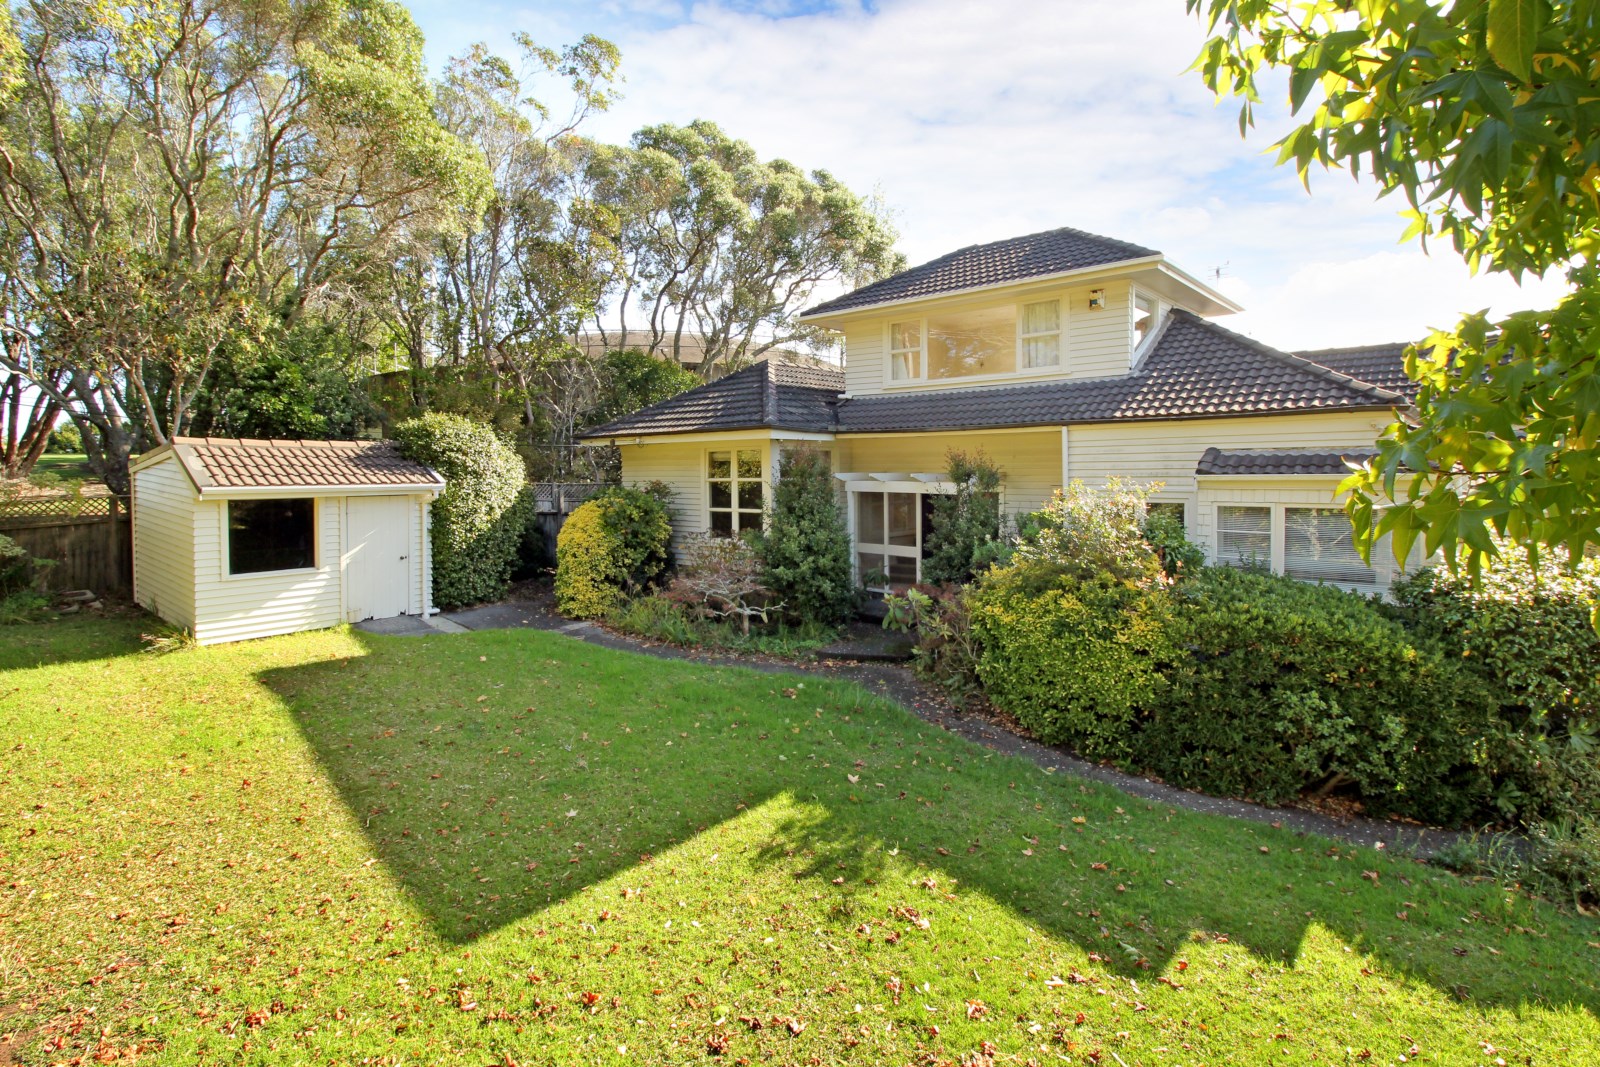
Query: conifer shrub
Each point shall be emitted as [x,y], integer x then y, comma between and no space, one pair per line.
[805,550]
[964,528]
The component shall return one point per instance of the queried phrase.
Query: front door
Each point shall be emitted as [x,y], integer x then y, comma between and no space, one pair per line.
[378,565]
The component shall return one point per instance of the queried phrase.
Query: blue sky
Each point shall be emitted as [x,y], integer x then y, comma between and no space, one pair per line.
[975,120]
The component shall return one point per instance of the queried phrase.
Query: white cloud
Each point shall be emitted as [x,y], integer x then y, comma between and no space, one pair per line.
[983,120]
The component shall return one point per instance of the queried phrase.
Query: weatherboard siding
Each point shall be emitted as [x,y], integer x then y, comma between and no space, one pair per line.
[681,466]
[1030,462]
[163,542]
[239,607]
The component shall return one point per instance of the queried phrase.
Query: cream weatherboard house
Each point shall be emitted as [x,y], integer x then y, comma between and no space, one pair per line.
[1061,355]
[241,538]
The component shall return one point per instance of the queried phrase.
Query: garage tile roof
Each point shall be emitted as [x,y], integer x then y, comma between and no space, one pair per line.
[1383,365]
[1195,369]
[1279,461]
[230,463]
[768,395]
[1035,255]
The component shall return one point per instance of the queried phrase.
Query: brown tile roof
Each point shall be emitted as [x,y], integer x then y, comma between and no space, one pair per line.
[1035,255]
[1195,369]
[228,463]
[1383,365]
[769,395]
[1280,461]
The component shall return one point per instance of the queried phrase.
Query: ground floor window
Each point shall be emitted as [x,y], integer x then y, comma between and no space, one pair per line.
[271,535]
[735,488]
[1313,544]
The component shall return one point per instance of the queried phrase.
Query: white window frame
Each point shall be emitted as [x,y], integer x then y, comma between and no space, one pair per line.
[920,485]
[225,523]
[921,377]
[1384,569]
[734,481]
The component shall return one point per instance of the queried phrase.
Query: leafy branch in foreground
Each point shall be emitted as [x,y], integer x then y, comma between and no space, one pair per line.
[1484,117]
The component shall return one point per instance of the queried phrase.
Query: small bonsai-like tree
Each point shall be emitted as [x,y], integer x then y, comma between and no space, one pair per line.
[721,577]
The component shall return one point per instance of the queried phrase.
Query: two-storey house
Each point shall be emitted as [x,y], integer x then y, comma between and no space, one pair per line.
[1061,355]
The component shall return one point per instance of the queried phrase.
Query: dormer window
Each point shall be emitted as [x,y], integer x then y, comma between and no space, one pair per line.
[1144,317]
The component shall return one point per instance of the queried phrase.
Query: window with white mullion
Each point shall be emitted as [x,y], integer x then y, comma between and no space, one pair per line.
[1244,535]
[905,351]
[888,536]
[1039,334]
[1319,546]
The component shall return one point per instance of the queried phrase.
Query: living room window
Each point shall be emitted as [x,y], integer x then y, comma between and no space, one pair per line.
[271,535]
[1244,535]
[735,488]
[1313,544]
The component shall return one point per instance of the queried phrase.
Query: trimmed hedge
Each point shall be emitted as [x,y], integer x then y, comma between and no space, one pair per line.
[1073,659]
[805,552]
[1527,634]
[478,521]
[1288,687]
[613,545]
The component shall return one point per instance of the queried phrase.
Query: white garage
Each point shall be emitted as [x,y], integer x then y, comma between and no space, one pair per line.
[234,539]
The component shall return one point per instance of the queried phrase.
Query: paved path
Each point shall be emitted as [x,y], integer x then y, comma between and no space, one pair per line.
[899,684]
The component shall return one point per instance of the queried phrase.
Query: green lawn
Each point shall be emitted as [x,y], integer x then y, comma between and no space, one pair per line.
[511,847]
[64,464]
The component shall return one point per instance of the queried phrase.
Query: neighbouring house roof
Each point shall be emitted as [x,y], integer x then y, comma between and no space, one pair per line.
[225,463]
[1280,461]
[1015,259]
[1194,369]
[768,395]
[1383,365]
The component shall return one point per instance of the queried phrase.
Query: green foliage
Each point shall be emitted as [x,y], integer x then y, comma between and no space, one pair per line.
[672,620]
[1483,116]
[964,528]
[20,575]
[1089,532]
[1287,686]
[805,549]
[65,439]
[300,385]
[613,545]
[633,379]
[1525,629]
[1072,656]
[1165,532]
[947,649]
[478,520]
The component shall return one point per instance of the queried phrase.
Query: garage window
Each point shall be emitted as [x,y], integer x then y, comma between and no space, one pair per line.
[271,535]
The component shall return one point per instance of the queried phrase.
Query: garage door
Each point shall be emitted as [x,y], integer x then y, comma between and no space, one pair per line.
[378,564]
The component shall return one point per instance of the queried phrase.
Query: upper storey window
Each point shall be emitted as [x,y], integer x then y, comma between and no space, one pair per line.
[976,344]
[1144,317]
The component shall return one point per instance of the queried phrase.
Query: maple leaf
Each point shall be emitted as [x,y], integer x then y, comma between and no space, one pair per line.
[976,1009]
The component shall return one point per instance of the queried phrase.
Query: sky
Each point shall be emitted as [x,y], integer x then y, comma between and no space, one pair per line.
[977,120]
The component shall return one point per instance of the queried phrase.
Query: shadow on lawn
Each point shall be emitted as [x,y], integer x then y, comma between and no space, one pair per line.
[500,773]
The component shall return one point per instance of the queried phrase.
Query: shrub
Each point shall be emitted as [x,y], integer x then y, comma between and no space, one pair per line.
[615,544]
[21,581]
[721,578]
[964,528]
[947,648]
[1527,632]
[1288,687]
[1166,535]
[1090,532]
[478,521]
[805,552]
[1072,657]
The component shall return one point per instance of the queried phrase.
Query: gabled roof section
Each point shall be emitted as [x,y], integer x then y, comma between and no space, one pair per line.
[769,395]
[1383,365]
[1282,461]
[1016,259]
[1194,370]
[217,464]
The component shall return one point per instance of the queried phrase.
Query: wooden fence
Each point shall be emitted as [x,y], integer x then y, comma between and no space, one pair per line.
[90,539]
[552,503]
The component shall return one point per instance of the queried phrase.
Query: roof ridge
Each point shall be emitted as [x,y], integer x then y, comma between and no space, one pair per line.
[1299,362]
[1307,353]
